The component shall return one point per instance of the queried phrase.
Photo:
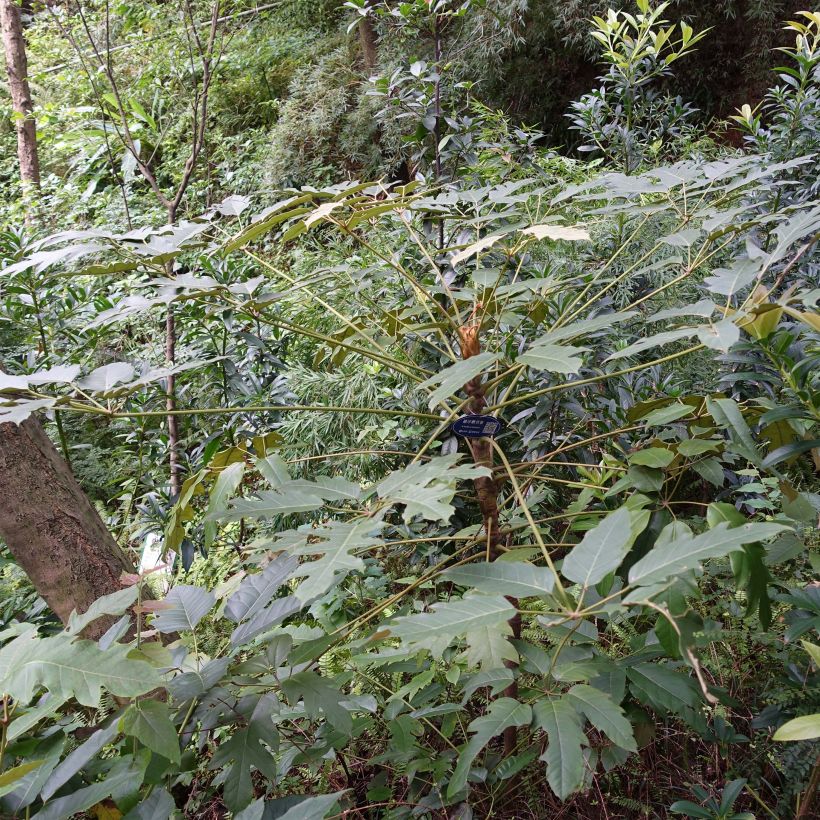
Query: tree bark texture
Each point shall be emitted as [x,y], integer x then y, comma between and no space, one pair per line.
[14,47]
[51,527]
[367,41]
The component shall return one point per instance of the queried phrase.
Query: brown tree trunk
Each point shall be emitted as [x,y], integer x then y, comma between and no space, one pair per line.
[367,41]
[51,528]
[17,69]
[487,489]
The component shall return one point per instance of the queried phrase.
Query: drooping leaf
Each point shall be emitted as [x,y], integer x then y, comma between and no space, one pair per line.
[105,378]
[313,808]
[502,714]
[250,747]
[564,756]
[125,773]
[226,484]
[319,696]
[159,805]
[149,721]
[257,591]
[114,604]
[453,378]
[604,714]
[656,340]
[78,759]
[183,608]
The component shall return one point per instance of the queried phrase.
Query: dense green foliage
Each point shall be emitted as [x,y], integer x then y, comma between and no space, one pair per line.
[609,608]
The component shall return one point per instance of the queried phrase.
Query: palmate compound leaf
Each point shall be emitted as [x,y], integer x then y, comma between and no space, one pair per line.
[681,554]
[471,616]
[426,489]
[334,543]
[451,379]
[71,668]
[604,547]
[502,714]
[564,756]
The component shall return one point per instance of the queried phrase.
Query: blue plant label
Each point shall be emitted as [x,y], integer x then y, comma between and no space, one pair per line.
[475,426]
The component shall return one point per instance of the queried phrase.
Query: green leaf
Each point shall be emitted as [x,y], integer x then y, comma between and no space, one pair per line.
[114,604]
[448,620]
[553,358]
[70,668]
[806,727]
[516,578]
[453,378]
[564,756]
[149,721]
[427,489]
[183,608]
[711,470]
[249,747]
[604,714]
[319,695]
[658,457]
[656,340]
[586,326]
[226,485]
[557,232]
[680,555]
[668,414]
[663,688]
[257,591]
[78,759]
[313,808]
[334,543]
[10,777]
[283,501]
[789,451]
[159,805]
[727,414]
[697,446]
[488,647]
[502,714]
[602,549]
[720,336]
[126,773]
[494,679]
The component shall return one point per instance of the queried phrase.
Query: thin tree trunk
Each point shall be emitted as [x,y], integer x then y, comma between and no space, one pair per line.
[487,489]
[367,41]
[174,467]
[14,47]
[51,527]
